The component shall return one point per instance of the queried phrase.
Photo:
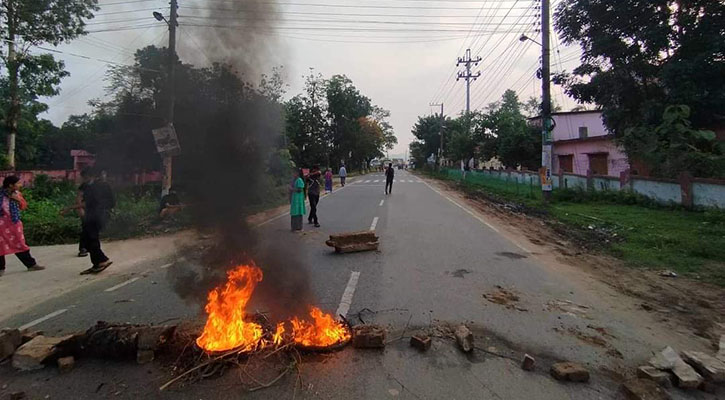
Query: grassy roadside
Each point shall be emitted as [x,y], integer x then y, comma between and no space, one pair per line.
[642,234]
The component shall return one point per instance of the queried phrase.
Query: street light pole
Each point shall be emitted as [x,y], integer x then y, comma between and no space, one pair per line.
[546,139]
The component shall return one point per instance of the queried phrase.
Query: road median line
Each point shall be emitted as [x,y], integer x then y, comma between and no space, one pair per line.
[122,284]
[43,319]
[346,299]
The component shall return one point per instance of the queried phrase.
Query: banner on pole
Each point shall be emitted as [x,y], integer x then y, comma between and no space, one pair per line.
[167,143]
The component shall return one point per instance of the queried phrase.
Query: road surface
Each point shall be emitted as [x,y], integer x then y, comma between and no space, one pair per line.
[437,259]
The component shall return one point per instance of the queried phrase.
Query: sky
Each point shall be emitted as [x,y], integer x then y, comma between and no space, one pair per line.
[400,53]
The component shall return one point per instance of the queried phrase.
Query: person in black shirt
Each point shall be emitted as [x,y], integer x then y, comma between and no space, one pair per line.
[313,193]
[98,200]
[389,176]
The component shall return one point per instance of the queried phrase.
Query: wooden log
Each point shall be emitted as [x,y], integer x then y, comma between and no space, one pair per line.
[357,247]
[343,239]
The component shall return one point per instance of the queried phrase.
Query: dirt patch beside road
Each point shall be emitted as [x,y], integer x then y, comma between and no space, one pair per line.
[680,303]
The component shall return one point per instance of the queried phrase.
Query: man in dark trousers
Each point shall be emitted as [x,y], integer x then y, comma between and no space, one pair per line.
[389,176]
[313,193]
[98,200]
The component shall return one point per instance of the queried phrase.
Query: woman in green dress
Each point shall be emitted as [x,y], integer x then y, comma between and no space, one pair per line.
[297,201]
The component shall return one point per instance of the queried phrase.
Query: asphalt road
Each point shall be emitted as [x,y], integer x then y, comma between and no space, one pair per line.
[436,261]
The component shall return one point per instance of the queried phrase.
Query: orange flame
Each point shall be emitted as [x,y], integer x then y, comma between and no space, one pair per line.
[227,329]
[323,332]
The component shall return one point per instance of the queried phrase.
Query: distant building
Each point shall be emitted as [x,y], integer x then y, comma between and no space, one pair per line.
[582,143]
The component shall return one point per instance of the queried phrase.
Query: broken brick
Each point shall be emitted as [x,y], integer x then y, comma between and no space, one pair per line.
[31,355]
[144,356]
[644,389]
[464,338]
[662,378]
[710,367]
[368,337]
[10,339]
[686,376]
[569,371]
[18,396]
[420,341]
[665,359]
[66,364]
[29,335]
[528,363]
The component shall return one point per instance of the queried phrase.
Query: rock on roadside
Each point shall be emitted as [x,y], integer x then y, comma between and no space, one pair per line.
[10,339]
[464,338]
[710,367]
[643,389]
[662,378]
[685,376]
[31,355]
[569,371]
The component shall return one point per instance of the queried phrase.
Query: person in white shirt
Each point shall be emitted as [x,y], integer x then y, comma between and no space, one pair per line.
[343,175]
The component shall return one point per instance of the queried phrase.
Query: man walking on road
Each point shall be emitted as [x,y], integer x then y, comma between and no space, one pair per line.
[313,193]
[389,176]
[98,200]
[343,175]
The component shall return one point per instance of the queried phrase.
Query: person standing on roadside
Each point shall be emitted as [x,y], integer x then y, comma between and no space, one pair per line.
[389,176]
[328,181]
[343,175]
[313,193]
[78,207]
[12,238]
[98,201]
[297,200]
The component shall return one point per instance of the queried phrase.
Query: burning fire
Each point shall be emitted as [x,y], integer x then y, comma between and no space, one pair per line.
[227,326]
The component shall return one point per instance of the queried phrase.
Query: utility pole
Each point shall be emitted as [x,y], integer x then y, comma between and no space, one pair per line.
[440,147]
[168,158]
[467,75]
[546,121]
[11,120]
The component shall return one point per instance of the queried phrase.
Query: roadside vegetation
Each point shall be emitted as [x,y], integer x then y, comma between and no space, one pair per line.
[632,228]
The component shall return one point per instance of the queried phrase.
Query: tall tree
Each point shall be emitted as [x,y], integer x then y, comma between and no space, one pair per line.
[31,23]
[642,56]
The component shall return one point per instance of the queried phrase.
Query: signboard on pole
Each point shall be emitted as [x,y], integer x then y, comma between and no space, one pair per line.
[167,143]
[545,172]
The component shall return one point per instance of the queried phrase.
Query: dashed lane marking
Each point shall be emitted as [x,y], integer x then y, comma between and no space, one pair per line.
[122,284]
[374,224]
[346,299]
[43,319]
[381,202]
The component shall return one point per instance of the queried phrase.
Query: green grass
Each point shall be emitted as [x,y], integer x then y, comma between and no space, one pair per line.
[641,233]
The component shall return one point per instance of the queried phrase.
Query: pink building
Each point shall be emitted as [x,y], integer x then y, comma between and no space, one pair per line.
[582,143]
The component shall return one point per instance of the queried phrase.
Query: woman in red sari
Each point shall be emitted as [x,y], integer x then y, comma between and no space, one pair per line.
[12,239]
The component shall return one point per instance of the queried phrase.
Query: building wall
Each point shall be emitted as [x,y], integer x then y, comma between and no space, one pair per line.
[616,160]
[567,125]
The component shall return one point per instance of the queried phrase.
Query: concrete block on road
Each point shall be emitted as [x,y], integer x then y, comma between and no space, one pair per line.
[569,371]
[10,339]
[421,341]
[686,376]
[144,356]
[710,367]
[368,337]
[644,389]
[528,363]
[66,364]
[464,338]
[665,359]
[662,378]
[33,354]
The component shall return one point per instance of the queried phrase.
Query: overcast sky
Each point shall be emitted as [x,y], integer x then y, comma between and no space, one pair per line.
[400,53]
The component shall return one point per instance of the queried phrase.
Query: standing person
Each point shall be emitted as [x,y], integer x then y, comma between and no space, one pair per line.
[98,201]
[313,193]
[297,201]
[389,176]
[328,181]
[463,169]
[78,207]
[343,175]
[12,239]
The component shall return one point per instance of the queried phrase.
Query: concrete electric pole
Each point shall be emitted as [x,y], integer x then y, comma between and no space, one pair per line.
[546,120]
[467,75]
[170,90]
[440,147]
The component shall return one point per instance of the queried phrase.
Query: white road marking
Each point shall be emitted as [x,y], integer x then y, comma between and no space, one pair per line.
[367,181]
[381,202]
[376,181]
[474,215]
[43,319]
[122,284]
[346,299]
[374,224]
[166,265]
